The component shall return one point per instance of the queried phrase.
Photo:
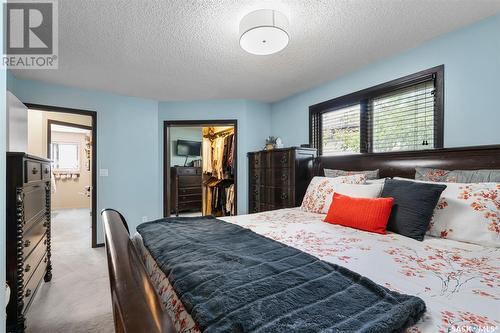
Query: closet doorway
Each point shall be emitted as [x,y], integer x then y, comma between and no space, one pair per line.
[200,167]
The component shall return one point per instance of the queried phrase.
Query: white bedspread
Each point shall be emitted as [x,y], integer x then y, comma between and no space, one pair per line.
[459,282]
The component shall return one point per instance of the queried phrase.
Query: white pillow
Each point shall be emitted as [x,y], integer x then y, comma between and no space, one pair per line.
[319,193]
[468,213]
[359,191]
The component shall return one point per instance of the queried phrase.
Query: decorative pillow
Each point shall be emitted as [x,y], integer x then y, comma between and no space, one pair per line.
[359,191]
[468,213]
[457,176]
[370,174]
[319,193]
[414,203]
[369,214]
[376,181]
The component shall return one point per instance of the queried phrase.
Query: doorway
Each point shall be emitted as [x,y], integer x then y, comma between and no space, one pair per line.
[200,168]
[68,137]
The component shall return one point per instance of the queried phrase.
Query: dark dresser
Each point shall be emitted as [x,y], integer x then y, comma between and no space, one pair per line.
[185,189]
[278,178]
[28,233]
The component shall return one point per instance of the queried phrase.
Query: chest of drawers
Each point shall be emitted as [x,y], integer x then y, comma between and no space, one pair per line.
[185,191]
[28,233]
[278,178]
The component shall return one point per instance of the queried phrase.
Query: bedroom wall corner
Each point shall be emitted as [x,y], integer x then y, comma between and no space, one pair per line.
[472,82]
[127,145]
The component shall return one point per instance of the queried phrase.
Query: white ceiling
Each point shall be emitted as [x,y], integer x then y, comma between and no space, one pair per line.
[188,49]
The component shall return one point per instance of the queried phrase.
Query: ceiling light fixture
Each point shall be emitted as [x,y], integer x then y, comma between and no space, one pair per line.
[263,32]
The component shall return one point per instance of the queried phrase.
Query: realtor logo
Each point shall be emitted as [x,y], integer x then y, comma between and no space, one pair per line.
[30,39]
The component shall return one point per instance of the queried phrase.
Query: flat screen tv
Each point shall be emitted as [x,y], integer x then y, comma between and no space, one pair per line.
[188,148]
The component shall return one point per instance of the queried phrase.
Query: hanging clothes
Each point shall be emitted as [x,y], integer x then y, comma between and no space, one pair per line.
[207,155]
[218,166]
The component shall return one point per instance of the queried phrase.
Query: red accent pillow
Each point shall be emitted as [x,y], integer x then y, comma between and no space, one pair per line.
[369,214]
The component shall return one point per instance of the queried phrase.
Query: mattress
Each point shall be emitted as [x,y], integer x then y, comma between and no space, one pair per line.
[459,282]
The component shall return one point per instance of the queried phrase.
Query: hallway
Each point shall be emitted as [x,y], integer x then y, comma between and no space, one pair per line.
[78,298]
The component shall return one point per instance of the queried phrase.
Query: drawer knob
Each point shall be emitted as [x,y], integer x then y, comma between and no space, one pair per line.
[27,268]
[46,171]
[27,243]
[28,293]
[284,177]
[284,196]
[34,171]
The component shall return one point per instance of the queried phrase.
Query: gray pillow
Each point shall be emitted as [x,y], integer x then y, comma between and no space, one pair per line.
[457,176]
[370,174]
[413,206]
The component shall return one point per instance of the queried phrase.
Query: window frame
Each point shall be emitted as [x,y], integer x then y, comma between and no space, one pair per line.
[55,160]
[362,98]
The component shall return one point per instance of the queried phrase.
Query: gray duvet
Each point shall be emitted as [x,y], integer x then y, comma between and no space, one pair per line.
[231,279]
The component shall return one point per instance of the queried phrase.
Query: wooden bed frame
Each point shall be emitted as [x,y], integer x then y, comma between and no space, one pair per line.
[136,305]
[402,164]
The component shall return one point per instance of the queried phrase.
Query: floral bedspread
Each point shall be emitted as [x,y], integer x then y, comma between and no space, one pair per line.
[459,282]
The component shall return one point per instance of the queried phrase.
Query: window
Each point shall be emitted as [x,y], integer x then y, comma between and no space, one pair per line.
[341,130]
[65,156]
[402,115]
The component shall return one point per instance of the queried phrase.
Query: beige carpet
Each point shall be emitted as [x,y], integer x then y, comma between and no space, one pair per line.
[78,298]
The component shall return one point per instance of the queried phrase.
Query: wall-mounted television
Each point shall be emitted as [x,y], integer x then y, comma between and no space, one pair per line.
[188,148]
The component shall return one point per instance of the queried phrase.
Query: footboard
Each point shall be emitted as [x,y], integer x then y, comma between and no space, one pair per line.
[136,306]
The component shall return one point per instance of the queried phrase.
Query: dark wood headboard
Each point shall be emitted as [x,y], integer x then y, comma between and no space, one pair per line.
[402,164]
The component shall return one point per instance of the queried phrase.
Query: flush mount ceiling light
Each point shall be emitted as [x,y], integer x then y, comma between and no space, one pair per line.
[263,32]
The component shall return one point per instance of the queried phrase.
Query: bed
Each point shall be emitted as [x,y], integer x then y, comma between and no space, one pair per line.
[459,282]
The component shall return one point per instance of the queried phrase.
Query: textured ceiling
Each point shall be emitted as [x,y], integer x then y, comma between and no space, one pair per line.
[188,49]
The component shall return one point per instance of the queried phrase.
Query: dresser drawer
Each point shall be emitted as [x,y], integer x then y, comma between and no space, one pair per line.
[189,191]
[189,181]
[32,171]
[190,197]
[33,235]
[280,197]
[46,171]
[34,281]
[267,207]
[255,193]
[191,205]
[32,261]
[34,203]
[254,207]
[258,160]
[280,177]
[257,176]
[281,159]
[186,171]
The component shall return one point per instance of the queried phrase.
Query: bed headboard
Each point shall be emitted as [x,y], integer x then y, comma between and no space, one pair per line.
[402,164]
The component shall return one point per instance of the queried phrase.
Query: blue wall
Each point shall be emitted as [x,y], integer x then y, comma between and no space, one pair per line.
[127,144]
[254,126]
[471,57]
[183,133]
